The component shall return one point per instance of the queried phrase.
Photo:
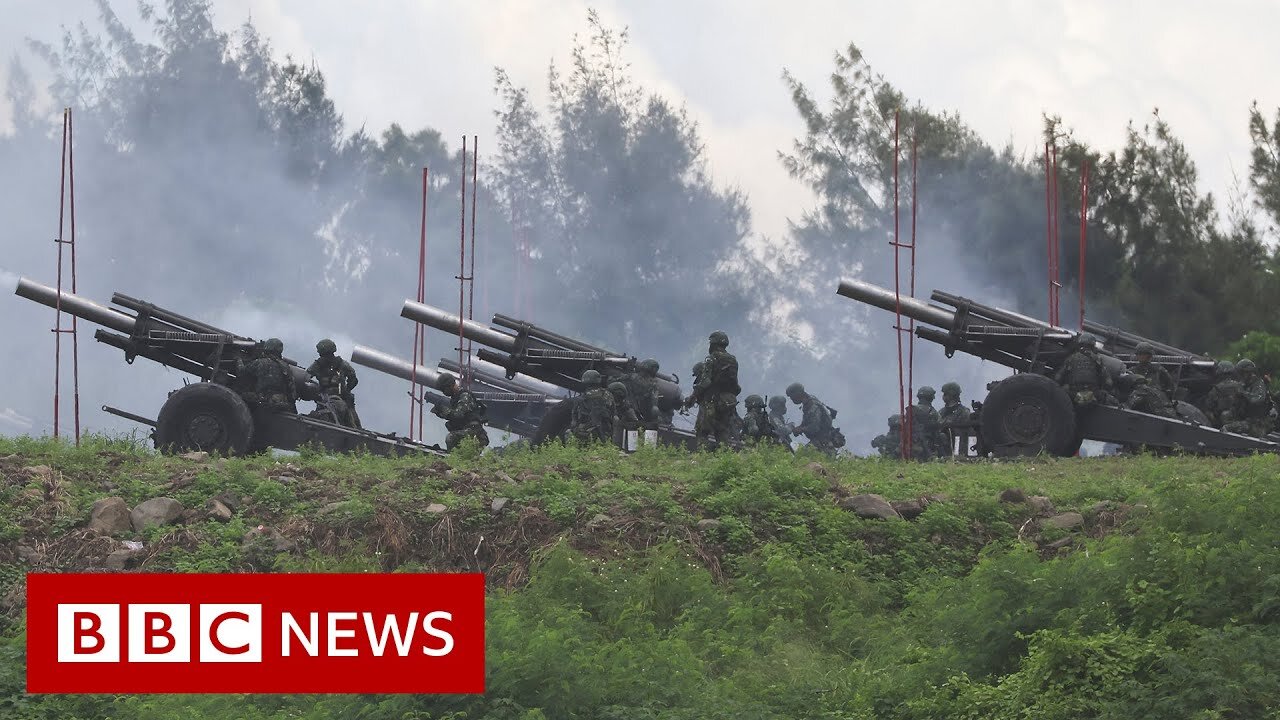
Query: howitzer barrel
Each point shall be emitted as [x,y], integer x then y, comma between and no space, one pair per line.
[886,300]
[75,305]
[1000,315]
[1106,332]
[391,365]
[495,375]
[143,307]
[448,322]
[547,336]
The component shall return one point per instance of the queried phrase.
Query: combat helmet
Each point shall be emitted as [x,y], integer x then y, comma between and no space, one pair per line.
[718,339]
[617,388]
[591,378]
[1143,348]
[754,401]
[648,367]
[1087,340]
[326,347]
[777,402]
[926,393]
[951,389]
[273,347]
[1246,366]
[895,421]
[1224,368]
[795,389]
[445,382]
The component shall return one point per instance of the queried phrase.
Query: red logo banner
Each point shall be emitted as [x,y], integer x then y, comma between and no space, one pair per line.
[255,633]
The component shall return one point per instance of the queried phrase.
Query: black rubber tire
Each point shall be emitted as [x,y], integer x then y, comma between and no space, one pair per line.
[555,423]
[204,416]
[1029,414]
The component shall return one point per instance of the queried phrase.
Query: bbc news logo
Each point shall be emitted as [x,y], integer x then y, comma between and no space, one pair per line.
[237,633]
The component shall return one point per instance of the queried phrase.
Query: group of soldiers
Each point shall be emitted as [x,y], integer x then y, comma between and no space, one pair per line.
[267,382]
[934,432]
[1236,402]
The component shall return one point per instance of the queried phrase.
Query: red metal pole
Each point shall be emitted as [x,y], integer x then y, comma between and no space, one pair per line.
[419,340]
[471,276]
[1048,232]
[75,342]
[1084,209]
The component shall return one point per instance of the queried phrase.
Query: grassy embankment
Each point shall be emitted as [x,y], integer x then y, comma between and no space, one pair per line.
[608,599]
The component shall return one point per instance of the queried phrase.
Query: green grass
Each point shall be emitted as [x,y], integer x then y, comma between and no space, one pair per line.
[608,601]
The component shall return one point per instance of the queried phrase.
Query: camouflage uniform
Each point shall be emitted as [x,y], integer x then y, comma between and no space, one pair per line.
[716,393]
[815,423]
[1082,374]
[593,411]
[623,412]
[1157,376]
[1259,413]
[1225,403]
[337,379]
[756,425]
[954,419]
[778,419]
[927,437]
[269,380]
[1144,396]
[889,444]
[642,390]
[465,415]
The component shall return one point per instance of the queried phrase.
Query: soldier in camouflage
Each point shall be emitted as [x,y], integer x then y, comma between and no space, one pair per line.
[593,411]
[1225,404]
[927,437]
[889,444]
[715,391]
[1258,409]
[1157,376]
[778,419]
[337,379]
[954,419]
[269,380]
[756,425]
[623,412]
[1142,395]
[1083,375]
[642,389]
[464,418]
[815,423]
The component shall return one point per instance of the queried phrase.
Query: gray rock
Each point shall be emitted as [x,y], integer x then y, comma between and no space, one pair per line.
[197,455]
[816,468]
[1065,521]
[218,510]
[708,524]
[122,559]
[268,536]
[110,516]
[231,499]
[1060,543]
[505,477]
[155,512]
[436,508]
[29,555]
[39,473]
[1041,504]
[1013,495]
[870,506]
[597,521]
[908,509]
[499,504]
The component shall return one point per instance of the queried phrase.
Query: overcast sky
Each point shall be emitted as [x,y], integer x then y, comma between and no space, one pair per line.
[999,63]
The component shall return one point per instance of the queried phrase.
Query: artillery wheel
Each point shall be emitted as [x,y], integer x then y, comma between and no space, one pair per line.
[204,416]
[1029,414]
[555,422]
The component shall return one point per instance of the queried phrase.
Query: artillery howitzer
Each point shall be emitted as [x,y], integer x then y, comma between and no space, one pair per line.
[1028,413]
[210,415]
[518,347]
[516,405]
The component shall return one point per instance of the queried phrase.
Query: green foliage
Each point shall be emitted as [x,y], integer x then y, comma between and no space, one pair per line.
[1263,349]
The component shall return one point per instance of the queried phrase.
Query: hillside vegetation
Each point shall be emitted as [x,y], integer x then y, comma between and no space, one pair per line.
[668,585]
